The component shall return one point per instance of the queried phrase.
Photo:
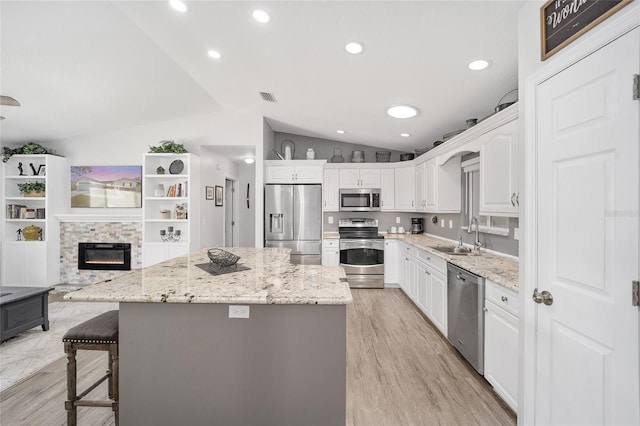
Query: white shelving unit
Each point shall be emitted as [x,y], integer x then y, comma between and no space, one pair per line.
[33,263]
[162,192]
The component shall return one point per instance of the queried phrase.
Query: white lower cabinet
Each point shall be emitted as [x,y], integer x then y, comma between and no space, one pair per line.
[423,279]
[501,342]
[28,264]
[391,263]
[437,306]
[153,253]
[330,252]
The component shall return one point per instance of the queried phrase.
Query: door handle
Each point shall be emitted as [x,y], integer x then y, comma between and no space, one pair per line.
[460,277]
[513,194]
[544,297]
[518,198]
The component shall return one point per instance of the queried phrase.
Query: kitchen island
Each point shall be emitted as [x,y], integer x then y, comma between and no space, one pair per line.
[187,356]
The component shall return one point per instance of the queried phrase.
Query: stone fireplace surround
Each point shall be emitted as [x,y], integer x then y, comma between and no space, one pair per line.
[75,229]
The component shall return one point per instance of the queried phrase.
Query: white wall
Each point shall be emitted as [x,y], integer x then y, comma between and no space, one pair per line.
[214,170]
[247,232]
[127,146]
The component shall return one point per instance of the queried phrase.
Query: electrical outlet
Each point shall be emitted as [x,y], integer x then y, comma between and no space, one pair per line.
[450,224]
[397,219]
[442,223]
[238,311]
[516,234]
[330,219]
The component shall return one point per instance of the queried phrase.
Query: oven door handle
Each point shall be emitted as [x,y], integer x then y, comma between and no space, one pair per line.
[361,244]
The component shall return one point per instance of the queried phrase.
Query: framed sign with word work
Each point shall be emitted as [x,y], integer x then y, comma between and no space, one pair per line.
[563,21]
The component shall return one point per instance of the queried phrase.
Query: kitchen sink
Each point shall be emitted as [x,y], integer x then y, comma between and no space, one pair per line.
[456,251]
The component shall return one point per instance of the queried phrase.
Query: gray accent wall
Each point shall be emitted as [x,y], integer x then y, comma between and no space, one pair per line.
[324,148]
[499,243]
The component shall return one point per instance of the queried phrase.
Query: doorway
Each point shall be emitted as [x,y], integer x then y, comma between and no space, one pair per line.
[230,213]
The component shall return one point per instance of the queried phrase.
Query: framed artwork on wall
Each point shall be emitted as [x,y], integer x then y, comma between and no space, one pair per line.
[218,196]
[106,186]
[209,192]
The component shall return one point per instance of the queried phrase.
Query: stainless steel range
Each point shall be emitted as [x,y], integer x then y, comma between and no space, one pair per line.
[362,252]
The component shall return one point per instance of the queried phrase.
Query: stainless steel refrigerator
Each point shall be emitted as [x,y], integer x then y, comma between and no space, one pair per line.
[293,219]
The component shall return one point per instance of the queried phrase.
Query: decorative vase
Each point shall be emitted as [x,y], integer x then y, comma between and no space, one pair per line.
[337,156]
[32,233]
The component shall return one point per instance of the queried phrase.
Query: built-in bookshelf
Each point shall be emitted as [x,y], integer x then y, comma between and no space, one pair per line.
[170,201]
[27,261]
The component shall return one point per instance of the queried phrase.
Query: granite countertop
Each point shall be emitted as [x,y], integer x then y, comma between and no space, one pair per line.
[271,279]
[499,269]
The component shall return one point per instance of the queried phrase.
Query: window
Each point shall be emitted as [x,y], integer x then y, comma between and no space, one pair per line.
[471,203]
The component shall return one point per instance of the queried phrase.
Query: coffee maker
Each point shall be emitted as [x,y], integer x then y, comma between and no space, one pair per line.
[416,225]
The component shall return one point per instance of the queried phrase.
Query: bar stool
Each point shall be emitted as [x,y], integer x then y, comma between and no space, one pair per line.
[97,334]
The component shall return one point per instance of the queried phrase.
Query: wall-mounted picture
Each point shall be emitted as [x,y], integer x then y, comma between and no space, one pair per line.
[209,192]
[106,186]
[218,195]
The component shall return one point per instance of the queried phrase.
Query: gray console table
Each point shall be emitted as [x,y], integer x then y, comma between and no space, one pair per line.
[23,308]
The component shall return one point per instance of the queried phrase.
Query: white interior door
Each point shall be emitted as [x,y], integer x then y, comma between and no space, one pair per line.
[587,219]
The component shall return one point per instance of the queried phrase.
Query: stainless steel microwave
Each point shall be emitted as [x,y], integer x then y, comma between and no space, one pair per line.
[360,200]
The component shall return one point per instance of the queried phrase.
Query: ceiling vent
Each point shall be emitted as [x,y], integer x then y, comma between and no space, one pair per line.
[268,97]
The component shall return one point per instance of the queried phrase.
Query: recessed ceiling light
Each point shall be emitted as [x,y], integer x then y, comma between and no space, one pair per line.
[249,160]
[261,16]
[178,5]
[405,135]
[340,131]
[479,64]
[354,47]
[402,111]
[214,54]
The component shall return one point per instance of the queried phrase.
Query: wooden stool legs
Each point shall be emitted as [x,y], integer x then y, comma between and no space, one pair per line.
[73,399]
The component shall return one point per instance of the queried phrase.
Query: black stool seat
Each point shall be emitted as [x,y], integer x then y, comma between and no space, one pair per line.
[97,334]
[100,329]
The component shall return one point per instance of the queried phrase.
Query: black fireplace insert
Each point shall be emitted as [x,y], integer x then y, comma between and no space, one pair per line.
[104,256]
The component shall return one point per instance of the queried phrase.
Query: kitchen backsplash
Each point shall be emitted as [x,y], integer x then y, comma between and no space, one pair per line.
[502,244]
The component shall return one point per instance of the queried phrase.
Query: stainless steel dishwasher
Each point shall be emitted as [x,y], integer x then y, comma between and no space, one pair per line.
[465,303]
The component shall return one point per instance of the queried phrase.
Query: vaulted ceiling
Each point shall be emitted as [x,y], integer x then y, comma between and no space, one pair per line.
[86,67]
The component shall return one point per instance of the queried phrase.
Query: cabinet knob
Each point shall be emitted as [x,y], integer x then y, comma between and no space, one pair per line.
[513,196]
[504,298]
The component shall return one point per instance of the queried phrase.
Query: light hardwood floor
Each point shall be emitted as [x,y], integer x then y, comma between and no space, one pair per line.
[400,371]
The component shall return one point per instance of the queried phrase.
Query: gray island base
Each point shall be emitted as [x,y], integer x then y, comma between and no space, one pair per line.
[184,361]
[193,365]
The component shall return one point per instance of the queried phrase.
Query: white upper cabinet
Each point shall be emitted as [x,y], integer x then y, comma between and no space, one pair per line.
[294,171]
[499,193]
[330,190]
[387,190]
[438,187]
[405,188]
[359,178]
[421,193]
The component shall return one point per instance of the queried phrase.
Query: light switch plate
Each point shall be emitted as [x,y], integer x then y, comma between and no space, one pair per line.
[450,224]
[442,223]
[238,311]
[397,219]
[516,234]
[330,220]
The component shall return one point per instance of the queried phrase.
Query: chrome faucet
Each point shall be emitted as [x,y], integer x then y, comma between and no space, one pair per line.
[476,244]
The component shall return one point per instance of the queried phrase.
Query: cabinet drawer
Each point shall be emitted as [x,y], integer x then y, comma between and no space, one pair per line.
[433,261]
[502,296]
[330,243]
[410,250]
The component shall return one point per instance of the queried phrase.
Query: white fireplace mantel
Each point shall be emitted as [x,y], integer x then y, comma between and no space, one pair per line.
[99,217]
